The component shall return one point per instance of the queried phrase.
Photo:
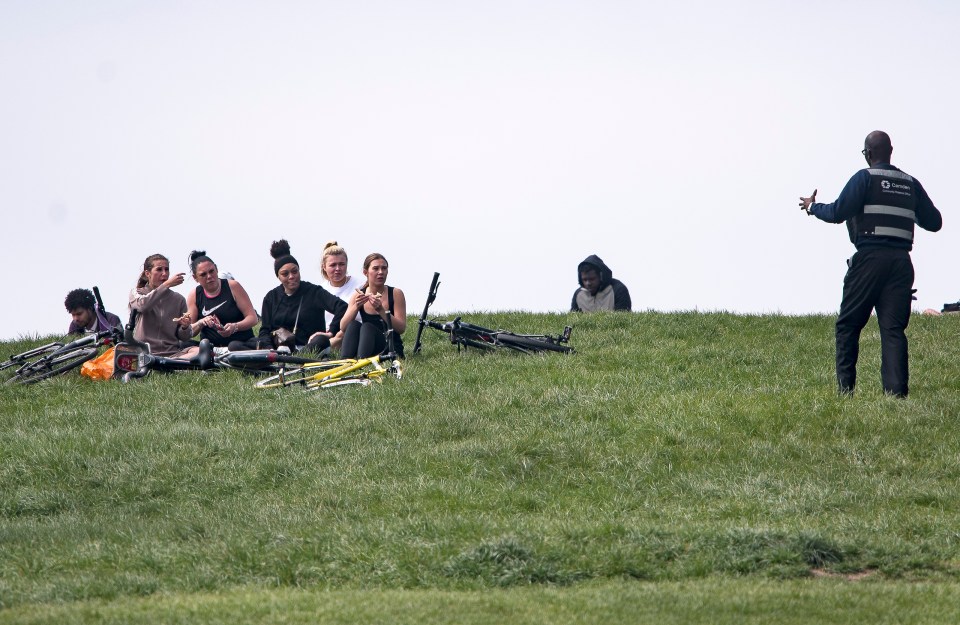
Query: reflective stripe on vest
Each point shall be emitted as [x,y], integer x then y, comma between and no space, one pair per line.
[889,207]
[890,173]
[884,231]
[890,210]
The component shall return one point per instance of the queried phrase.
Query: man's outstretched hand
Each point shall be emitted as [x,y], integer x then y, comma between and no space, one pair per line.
[806,202]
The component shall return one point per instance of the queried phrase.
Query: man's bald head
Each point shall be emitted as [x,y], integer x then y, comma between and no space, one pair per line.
[877,147]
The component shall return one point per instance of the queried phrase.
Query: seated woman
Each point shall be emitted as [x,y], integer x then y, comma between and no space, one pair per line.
[333,266]
[369,338]
[219,308]
[298,306]
[162,322]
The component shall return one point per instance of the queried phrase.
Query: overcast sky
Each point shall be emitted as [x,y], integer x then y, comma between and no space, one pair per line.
[499,143]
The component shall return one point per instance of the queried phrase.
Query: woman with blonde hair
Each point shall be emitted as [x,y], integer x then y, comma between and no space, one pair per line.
[333,267]
[377,304]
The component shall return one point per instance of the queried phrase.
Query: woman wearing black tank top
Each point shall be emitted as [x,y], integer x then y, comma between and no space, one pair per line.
[373,301]
[220,309]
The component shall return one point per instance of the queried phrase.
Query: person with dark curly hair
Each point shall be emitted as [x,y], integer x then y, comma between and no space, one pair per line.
[82,307]
[298,306]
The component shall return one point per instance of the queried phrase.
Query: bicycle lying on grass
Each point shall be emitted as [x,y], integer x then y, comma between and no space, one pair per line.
[331,373]
[463,334]
[52,359]
[55,358]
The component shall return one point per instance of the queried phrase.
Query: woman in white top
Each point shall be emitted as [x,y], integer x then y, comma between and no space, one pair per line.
[333,266]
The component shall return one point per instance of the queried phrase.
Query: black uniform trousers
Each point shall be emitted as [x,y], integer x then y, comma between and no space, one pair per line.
[881,279]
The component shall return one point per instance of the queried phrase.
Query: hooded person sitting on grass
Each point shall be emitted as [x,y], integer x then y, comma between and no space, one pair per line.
[598,288]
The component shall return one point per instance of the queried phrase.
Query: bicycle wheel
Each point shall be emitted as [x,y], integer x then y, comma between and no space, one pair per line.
[48,368]
[300,375]
[532,343]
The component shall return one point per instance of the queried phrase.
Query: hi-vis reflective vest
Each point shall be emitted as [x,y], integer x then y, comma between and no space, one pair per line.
[889,209]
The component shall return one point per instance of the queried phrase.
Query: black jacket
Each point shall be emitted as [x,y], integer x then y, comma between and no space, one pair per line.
[611,294]
[280,311]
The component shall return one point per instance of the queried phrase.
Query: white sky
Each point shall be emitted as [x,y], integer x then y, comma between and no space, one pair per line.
[498,142]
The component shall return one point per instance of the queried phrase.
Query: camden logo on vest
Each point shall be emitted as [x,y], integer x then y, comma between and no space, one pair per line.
[890,207]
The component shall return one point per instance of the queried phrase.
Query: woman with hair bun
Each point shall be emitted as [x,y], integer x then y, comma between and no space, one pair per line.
[298,306]
[162,322]
[220,309]
[377,305]
[333,266]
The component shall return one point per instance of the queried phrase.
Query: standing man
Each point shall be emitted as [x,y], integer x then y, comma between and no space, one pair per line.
[880,205]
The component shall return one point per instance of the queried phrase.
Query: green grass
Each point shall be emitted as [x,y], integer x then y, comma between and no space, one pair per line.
[679,468]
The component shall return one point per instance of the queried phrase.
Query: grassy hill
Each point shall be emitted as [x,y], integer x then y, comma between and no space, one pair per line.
[682,467]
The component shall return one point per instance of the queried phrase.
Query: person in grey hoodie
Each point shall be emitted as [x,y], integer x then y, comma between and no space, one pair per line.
[599,290]
[163,322]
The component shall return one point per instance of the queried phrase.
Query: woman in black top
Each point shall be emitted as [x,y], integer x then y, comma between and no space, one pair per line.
[377,304]
[220,309]
[298,306]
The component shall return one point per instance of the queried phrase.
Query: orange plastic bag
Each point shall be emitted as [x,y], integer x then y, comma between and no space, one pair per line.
[99,368]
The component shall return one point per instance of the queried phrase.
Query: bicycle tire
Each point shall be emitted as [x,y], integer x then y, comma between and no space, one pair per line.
[298,375]
[530,343]
[62,363]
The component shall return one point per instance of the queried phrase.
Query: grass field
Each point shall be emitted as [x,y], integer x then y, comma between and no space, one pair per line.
[681,467]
